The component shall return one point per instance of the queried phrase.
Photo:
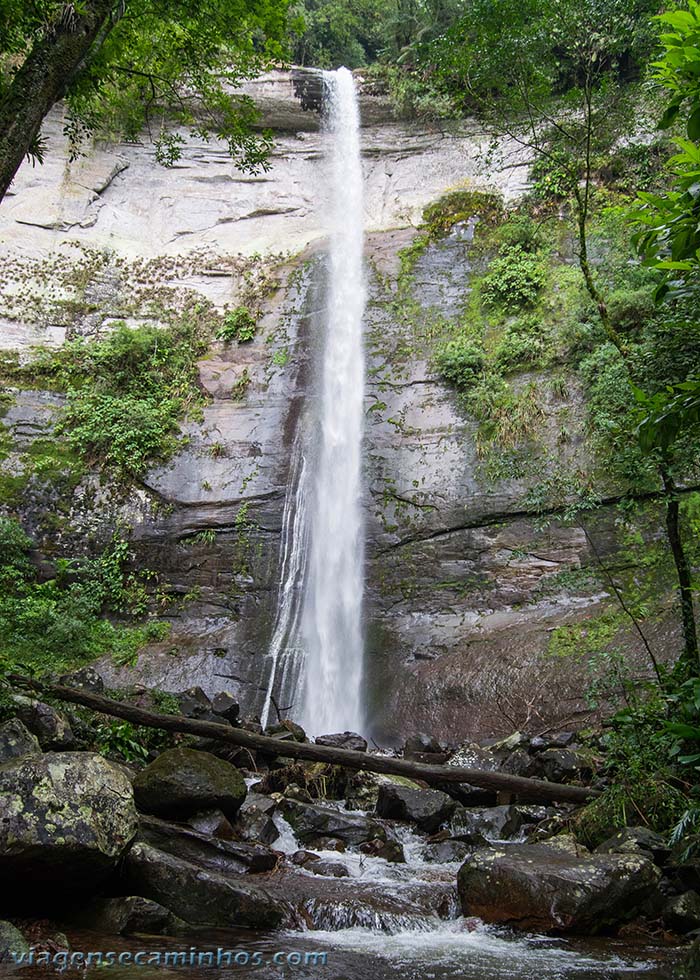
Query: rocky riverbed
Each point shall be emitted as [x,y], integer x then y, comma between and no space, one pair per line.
[99,854]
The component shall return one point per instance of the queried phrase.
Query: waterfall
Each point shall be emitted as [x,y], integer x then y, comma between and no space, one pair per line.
[322,654]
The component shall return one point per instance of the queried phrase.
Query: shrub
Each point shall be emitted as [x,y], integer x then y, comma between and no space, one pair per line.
[522,344]
[123,431]
[127,393]
[58,623]
[630,309]
[239,324]
[460,361]
[514,278]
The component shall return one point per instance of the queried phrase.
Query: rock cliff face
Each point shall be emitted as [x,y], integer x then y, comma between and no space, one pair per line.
[462,581]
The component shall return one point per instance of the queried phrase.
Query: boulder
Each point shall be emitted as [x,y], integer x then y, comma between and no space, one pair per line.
[636,840]
[11,941]
[446,852]
[224,856]
[429,809]
[564,765]
[128,914]
[181,782]
[200,896]
[194,703]
[473,756]
[225,705]
[389,850]
[310,821]
[49,725]
[286,730]
[329,869]
[343,740]
[255,824]
[17,741]
[682,913]
[421,744]
[491,823]
[542,888]
[214,823]
[65,821]
[86,678]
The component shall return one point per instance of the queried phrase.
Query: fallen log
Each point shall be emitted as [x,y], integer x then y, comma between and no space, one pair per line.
[500,782]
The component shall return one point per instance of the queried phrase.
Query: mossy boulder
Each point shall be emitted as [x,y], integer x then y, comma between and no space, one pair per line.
[66,818]
[181,782]
[11,941]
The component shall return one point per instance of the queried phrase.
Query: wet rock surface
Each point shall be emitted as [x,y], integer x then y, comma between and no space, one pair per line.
[538,887]
[427,809]
[311,821]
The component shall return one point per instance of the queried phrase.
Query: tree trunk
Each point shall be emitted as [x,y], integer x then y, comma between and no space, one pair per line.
[53,62]
[535,789]
[685,587]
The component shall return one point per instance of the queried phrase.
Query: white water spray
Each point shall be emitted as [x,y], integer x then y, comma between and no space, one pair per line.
[315,658]
[332,621]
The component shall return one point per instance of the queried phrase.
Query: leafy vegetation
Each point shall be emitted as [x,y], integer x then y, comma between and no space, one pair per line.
[127,392]
[154,66]
[58,623]
[239,324]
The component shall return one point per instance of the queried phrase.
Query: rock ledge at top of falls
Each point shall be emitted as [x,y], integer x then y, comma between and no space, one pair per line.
[546,888]
[117,197]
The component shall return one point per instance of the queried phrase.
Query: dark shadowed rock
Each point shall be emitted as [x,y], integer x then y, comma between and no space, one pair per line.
[181,782]
[446,851]
[421,744]
[223,856]
[194,703]
[215,823]
[343,740]
[491,823]
[16,741]
[49,725]
[285,730]
[65,821]
[682,913]
[429,809]
[564,765]
[255,824]
[225,705]
[311,821]
[86,679]
[200,896]
[126,915]
[329,869]
[549,889]
[389,850]
[636,840]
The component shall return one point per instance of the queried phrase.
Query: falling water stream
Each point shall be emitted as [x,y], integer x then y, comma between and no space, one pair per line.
[316,653]
[386,919]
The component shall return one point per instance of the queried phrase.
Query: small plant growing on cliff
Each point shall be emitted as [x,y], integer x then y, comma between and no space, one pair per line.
[460,362]
[515,278]
[239,324]
[240,388]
